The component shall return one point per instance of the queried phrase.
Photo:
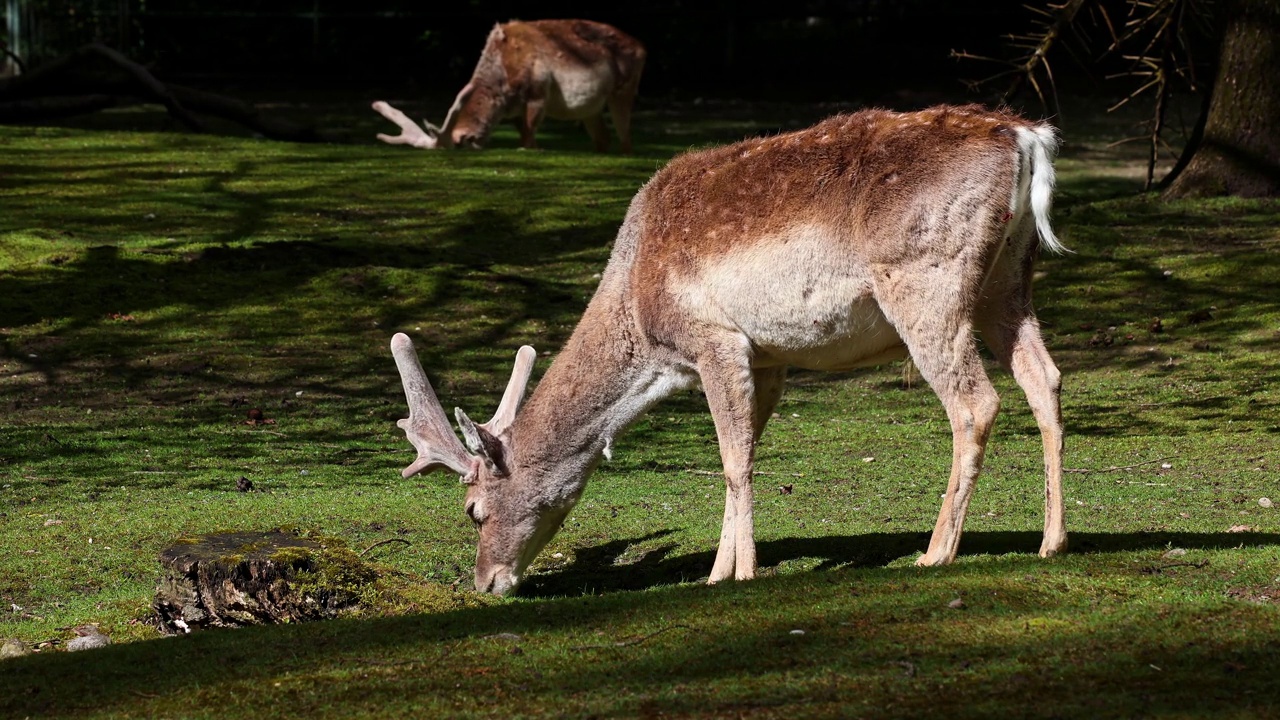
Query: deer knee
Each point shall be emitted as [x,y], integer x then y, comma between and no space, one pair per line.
[978,413]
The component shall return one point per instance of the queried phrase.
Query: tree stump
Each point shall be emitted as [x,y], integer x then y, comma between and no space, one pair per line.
[233,579]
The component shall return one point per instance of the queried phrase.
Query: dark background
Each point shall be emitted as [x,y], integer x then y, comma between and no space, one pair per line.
[809,50]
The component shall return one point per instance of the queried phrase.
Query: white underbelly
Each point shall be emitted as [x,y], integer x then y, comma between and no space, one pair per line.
[827,341]
[801,303]
[579,93]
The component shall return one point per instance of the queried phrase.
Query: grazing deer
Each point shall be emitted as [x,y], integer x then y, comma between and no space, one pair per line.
[565,69]
[856,241]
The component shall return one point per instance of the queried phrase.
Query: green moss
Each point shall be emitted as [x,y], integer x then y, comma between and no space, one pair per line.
[295,556]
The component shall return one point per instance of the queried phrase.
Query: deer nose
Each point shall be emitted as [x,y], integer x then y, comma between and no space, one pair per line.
[498,580]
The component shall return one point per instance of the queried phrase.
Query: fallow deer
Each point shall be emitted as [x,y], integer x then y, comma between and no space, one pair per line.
[564,69]
[866,237]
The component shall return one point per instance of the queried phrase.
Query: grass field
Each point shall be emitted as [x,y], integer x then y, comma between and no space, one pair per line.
[155,287]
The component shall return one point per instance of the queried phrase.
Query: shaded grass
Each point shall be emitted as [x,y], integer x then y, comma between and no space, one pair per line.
[155,287]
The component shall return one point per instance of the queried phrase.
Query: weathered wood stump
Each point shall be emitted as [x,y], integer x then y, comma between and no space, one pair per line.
[254,578]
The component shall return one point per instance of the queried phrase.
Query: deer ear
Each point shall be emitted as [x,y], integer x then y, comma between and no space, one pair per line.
[483,443]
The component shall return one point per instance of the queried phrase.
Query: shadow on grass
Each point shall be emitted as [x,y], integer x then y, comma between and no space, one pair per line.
[731,651]
[596,569]
[382,228]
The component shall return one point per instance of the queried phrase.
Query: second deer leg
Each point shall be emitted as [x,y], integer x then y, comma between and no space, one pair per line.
[527,124]
[971,402]
[1017,342]
[769,384]
[728,382]
[928,308]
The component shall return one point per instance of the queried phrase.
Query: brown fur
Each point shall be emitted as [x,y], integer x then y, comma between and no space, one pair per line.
[866,236]
[523,70]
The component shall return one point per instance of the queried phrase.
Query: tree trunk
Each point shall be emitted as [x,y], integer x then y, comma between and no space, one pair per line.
[252,578]
[1239,153]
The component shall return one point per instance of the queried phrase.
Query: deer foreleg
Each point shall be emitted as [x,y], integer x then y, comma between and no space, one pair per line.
[727,379]
[527,123]
[769,384]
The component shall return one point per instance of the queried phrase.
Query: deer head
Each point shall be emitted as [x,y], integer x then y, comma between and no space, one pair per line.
[428,136]
[477,113]
[487,466]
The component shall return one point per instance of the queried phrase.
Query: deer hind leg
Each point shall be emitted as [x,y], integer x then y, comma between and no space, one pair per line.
[971,402]
[728,381]
[1014,337]
[938,330]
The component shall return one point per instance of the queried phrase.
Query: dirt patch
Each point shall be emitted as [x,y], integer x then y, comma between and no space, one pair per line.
[1257,594]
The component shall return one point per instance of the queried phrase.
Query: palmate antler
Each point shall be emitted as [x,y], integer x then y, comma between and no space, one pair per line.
[427,427]
[428,136]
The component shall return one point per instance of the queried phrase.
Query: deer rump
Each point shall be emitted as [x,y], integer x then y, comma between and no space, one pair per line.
[564,69]
[855,241]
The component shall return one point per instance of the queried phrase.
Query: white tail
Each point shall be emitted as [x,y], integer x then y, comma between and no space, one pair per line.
[861,239]
[1040,145]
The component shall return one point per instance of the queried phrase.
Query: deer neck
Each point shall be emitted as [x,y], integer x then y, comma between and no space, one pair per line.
[603,380]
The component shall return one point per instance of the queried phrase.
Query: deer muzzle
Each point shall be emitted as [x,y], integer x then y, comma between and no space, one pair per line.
[498,580]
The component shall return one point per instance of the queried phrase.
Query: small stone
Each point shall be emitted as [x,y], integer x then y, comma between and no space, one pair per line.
[797,632]
[1174,553]
[956,604]
[90,638]
[868,459]
[1166,466]
[13,648]
[1265,502]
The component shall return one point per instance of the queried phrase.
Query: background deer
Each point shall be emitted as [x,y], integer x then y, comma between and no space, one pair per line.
[855,241]
[565,69]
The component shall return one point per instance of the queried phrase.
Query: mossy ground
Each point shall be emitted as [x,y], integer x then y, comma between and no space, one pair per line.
[155,287]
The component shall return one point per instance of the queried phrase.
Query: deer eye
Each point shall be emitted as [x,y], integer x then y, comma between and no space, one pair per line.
[471,513]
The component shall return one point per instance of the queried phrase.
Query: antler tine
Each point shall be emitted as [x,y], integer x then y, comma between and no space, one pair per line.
[514,394]
[427,427]
[410,133]
[446,130]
